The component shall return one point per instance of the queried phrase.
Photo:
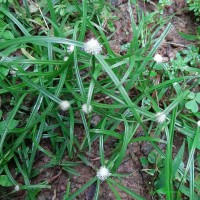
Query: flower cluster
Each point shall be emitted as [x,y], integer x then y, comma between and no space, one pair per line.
[70,49]
[160,117]
[158,58]
[103,173]
[86,108]
[64,105]
[17,188]
[92,47]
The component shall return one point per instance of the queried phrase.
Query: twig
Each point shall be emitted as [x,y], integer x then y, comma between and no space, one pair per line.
[175,44]
[54,177]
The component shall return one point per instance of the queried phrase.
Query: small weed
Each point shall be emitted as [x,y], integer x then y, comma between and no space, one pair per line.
[161,5]
[194,5]
[194,100]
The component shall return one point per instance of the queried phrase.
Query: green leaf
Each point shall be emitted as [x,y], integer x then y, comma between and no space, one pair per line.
[124,145]
[152,157]
[1,113]
[188,37]
[111,26]
[3,72]
[160,184]
[191,95]
[12,125]
[169,152]
[153,74]
[144,161]
[186,191]
[192,105]
[5,181]
[8,35]
[84,187]
[177,160]
[158,66]
[125,189]
[197,98]
[114,191]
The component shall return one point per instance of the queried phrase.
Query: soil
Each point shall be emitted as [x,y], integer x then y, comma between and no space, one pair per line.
[137,180]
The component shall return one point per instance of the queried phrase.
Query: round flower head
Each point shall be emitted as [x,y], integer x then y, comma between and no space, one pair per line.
[86,109]
[103,173]
[198,123]
[16,187]
[13,73]
[160,117]
[158,58]
[64,105]
[70,48]
[33,8]
[92,47]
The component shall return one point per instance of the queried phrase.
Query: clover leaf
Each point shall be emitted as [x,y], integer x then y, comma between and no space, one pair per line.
[192,105]
[197,98]
[5,181]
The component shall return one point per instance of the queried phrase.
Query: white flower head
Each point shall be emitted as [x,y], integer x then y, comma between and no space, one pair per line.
[64,105]
[103,173]
[17,188]
[92,46]
[160,117]
[86,109]
[158,58]
[33,8]
[70,49]
[198,123]
[65,58]
[13,73]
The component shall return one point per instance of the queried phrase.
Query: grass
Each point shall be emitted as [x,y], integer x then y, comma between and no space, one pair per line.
[34,45]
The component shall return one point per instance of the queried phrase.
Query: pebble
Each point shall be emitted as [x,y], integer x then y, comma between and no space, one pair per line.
[62,187]
[171,10]
[146,148]
[165,59]
[171,55]
[95,120]
[116,2]
[169,37]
